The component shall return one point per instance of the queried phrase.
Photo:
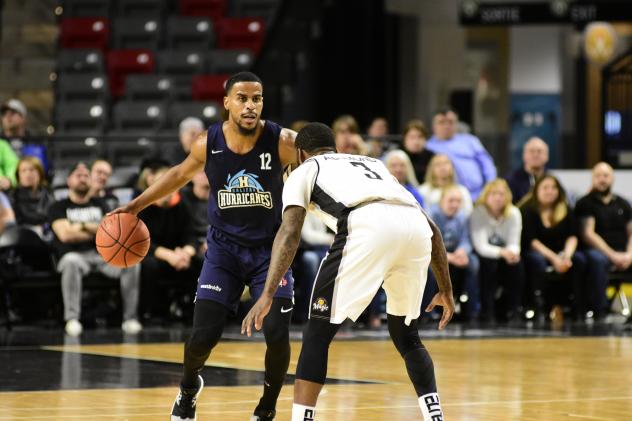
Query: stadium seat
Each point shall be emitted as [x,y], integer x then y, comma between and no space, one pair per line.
[180,62]
[79,60]
[213,9]
[141,8]
[256,8]
[229,61]
[136,117]
[137,33]
[86,8]
[190,32]
[149,87]
[208,87]
[123,176]
[81,117]
[82,86]
[241,33]
[207,111]
[123,62]
[84,33]
[69,151]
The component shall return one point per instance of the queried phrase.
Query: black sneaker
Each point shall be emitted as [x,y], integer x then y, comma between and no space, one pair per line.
[263,415]
[184,406]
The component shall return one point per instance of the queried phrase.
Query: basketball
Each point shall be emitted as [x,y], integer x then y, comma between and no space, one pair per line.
[122,240]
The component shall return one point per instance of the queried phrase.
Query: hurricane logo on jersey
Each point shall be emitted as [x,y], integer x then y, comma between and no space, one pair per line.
[243,190]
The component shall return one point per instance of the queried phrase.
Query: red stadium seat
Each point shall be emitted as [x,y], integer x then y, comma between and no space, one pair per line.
[120,63]
[214,9]
[208,87]
[84,33]
[235,33]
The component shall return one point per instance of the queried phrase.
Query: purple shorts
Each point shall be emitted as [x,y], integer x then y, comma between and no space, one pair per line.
[228,267]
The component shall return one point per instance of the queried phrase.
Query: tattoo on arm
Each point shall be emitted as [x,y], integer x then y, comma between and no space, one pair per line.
[284,247]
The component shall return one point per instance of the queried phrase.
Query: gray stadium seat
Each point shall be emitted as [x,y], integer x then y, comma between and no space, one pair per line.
[173,62]
[82,87]
[190,32]
[229,61]
[137,117]
[80,61]
[81,117]
[137,32]
[255,8]
[86,8]
[208,111]
[149,87]
[67,152]
[141,8]
[123,176]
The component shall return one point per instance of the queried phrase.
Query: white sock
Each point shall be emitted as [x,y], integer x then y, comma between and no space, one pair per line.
[303,413]
[430,407]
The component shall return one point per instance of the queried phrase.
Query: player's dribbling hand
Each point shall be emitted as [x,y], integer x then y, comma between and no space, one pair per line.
[445,300]
[124,209]
[256,315]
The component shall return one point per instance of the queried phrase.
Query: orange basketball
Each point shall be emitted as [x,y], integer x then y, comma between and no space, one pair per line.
[122,240]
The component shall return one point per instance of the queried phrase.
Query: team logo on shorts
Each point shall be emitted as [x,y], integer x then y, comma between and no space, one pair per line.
[243,190]
[320,305]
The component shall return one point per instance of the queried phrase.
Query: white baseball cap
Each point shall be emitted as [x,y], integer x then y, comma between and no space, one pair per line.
[15,105]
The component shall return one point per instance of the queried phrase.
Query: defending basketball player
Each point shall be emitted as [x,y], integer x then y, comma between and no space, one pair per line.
[243,158]
[382,238]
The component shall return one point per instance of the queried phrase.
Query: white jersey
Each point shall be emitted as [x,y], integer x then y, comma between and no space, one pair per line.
[331,184]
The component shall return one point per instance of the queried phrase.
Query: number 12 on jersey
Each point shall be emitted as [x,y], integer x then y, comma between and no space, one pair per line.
[369,172]
[266,158]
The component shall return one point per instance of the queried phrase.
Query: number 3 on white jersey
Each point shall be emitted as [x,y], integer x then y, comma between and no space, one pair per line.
[265,161]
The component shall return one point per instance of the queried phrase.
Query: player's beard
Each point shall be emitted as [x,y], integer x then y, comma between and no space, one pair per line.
[244,131]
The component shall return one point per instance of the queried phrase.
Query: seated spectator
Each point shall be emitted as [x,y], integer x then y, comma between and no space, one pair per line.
[7,217]
[535,155]
[100,173]
[440,174]
[14,122]
[549,240]
[190,128]
[171,256]
[377,132]
[473,165]
[463,263]
[31,198]
[348,139]
[8,164]
[606,233]
[195,198]
[74,222]
[399,165]
[414,144]
[495,227]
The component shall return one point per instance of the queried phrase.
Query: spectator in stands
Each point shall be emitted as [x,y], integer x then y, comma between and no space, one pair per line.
[377,132]
[414,144]
[606,232]
[195,198]
[535,155]
[473,165]
[440,175]
[148,168]
[171,257]
[8,164]
[190,128]
[463,263]
[400,166]
[7,217]
[74,222]
[348,139]
[549,240]
[100,173]
[31,198]
[495,228]
[14,123]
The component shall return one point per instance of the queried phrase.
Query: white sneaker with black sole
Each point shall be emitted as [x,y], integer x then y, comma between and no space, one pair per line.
[185,404]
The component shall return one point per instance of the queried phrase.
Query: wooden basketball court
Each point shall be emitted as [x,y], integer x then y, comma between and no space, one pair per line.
[479,379]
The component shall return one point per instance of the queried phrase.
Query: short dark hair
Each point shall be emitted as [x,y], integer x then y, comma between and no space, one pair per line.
[444,111]
[315,136]
[242,77]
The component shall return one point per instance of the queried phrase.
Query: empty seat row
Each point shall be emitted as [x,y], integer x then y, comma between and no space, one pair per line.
[215,9]
[130,117]
[179,32]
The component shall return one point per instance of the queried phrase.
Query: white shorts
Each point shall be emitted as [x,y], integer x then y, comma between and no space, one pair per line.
[376,244]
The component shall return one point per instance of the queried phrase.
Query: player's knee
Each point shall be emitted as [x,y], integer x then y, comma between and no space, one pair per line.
[202,340]
[406,338]
[277,324]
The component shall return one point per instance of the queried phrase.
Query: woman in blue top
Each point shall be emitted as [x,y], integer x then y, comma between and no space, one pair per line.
[398,163]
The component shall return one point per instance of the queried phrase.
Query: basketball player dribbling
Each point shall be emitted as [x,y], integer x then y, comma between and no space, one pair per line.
[383,238]
[243,158]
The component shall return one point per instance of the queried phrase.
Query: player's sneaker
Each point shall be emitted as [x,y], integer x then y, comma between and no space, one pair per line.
[73,327]
[131,327]
[184,406]
[263,415]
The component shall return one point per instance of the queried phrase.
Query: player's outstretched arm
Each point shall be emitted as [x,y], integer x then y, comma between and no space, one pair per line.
[172,180]
[283,251]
